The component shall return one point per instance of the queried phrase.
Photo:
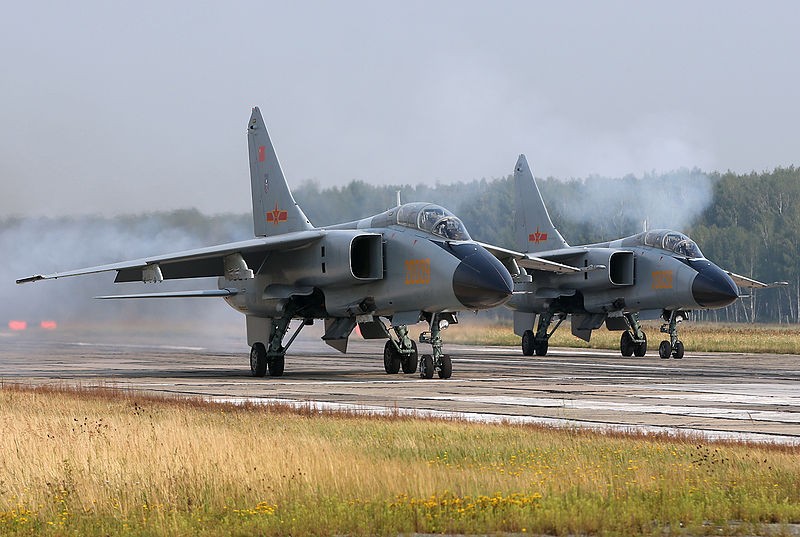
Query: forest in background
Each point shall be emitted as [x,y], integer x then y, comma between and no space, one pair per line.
[746,223]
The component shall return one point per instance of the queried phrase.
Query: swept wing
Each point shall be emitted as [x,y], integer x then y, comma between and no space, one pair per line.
[199,263]
[529,261]
[745,282]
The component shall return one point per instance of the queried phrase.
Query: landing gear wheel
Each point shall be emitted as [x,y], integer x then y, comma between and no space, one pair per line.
[409,361]
[664,350]
[626,345]
[258,360]
[446,369]
[640,349]
[528,347]
[391,358]
[678,352]
[276,366]
[426,366]
[541,347]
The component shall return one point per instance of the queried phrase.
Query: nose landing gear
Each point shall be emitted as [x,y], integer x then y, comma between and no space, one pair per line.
[673,347]
[438,363]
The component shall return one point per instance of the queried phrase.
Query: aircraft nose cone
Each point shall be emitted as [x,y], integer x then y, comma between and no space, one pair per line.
[481,281]
[712,288]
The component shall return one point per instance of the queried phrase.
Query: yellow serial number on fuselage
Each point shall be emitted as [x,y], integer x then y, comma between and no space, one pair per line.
[418,271]
[662,279]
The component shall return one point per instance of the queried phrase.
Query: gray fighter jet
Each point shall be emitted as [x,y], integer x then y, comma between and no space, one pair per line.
[411,263]
[658,273]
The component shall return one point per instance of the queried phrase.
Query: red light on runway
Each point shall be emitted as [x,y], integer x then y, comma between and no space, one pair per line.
[16,326]
[48,325]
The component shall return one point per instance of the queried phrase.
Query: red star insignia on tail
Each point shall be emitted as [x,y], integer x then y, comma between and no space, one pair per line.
[537,237]
[276,215]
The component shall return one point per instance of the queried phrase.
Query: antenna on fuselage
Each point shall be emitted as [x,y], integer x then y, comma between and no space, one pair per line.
[644,225]
[398,199]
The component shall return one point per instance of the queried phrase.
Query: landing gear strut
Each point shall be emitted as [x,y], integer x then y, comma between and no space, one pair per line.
[633,340]
[674,346]
[400,353]
[439,363]
[538,343]
[272,357]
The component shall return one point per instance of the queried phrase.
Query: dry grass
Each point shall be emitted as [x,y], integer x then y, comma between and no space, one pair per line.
[700,337]
[104,462]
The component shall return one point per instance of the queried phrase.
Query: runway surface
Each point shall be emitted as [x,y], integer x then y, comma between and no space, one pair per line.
[753,397]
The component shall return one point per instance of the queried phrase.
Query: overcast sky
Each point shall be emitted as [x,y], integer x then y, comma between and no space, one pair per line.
[109,107]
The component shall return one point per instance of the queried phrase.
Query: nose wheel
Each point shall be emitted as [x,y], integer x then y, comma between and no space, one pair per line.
[673,347]
[438,363]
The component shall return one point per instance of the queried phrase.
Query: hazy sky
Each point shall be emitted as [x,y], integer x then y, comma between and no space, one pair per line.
[110,107]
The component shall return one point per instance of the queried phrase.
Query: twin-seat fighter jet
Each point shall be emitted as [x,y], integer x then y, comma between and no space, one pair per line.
[658,273]
[411,263]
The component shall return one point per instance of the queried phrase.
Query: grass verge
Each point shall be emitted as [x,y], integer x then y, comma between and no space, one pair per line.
[699,337]
[99,462]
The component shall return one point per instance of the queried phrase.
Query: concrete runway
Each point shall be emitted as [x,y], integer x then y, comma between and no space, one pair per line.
[752,397]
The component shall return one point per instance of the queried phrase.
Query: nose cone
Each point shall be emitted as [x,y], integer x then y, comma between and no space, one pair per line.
[712,288]
[480,281]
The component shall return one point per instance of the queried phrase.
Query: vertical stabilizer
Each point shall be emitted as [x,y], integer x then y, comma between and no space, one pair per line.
[533,229]
[274,209]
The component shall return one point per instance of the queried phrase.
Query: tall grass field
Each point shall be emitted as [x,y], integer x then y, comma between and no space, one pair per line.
[698,337]
[103,462]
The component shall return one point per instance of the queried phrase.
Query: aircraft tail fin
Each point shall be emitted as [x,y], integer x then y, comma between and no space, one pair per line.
[274,210]
[533,229]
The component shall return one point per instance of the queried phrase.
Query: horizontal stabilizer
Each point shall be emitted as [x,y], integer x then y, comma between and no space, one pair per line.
[743,281]
[176,294]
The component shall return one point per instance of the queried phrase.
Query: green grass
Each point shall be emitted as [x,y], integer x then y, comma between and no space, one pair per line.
[83,462]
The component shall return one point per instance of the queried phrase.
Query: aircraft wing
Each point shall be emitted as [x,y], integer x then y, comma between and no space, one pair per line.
[199,263]
[743,281]
[529,261]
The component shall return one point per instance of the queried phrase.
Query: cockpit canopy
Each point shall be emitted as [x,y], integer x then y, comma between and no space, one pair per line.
[668,240]
[433,219]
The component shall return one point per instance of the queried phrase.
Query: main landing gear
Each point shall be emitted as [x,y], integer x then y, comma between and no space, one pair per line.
[439,362]
[538,343]
[400,353]
[272,357]
[674,346]
[633,340]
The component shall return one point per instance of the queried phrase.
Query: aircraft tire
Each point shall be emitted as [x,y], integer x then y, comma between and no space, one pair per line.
[391,358]
[541,348]
[640,349]
[528,347]
[426,367]
[626,345]
[409,361]
[258,360]
[678,352]
[664,350]
[446,371]
[276,366]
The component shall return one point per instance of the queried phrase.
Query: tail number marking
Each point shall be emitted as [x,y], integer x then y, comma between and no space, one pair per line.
[418,271]
[662,279]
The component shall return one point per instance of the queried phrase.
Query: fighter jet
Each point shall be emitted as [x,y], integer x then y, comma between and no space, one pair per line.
[410,263]
[655,274]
